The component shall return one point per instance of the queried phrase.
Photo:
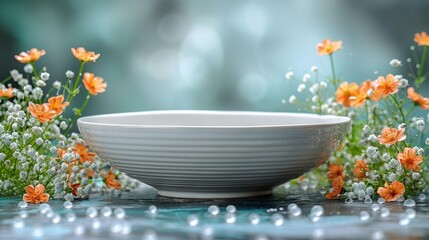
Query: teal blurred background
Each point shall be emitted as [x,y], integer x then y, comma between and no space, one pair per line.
[225,55]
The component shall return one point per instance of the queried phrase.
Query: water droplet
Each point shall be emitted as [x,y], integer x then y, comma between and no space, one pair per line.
[23,214]
[56,218]
[368,199]
[384,212]
[364,216]
[44,207]
[70,217]
[381,201]
[254,218]
[277,219]
[422,197]
[106,211]
[317,210]
[410,213]
[375,207]
[213,210]
[348,201]
[378,235]
[79,230]
[49,213]
[116,228]
[314,218]
[152,209]
[403,219]
[68,205]
[22,204]
[400,199]
[18,223]
[292,205]
[230,217]
[409,203]
[231,209]
[192,220]
[91,212]
[295,212]
[119,213]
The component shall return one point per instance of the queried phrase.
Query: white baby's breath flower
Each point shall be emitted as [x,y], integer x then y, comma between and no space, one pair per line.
[306,77]
[301,87]
[402,126]
[40,83]
[427,141]
[292,99]
[323,84]
[37,93]
[371,151]
[403,83]
[416,176]
[313,89]
[314,69]
[28,68]
[44,76]
[57,84]
[395,63]
[315,99]
[372,138]
[69,74]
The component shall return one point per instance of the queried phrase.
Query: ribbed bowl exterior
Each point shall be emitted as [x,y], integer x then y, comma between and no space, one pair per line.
[214,162]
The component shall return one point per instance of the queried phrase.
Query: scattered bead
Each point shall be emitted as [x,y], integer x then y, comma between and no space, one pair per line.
[367,200]
[384,212]
[96,224]
[317,210]
[68,205]
[152,209]
[381,201]
[348,201]
[261,237]
[56,218]
[314,218]
[37,232]
[149,235]
[79,230]
[106,211]
[364,216]
[378,235]
[403,219]
[295,212]
[70,217]
[422,197]
[126,228]
[254,218]
[410,213]
[44,207]
[91,212]
[375,207]
[230,218]
[23,214]
[213,210]
[22,204]
[400,199]
[192,220]
[290,206]
[231,209]
[409,203]
[18,223]
[277,219]
[119,213]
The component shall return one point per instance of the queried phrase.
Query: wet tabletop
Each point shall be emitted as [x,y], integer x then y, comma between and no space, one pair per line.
[142,214]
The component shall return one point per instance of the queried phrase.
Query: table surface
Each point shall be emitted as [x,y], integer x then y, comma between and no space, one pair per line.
[171,219]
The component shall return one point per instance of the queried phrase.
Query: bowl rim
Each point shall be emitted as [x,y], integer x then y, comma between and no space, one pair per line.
[336,120]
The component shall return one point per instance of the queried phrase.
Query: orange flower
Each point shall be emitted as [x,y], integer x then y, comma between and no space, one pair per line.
[41,112]
[89,173]
[327,47]
[417,98]
[345,91]
[74,188]
[335,170]
[422,39]
[409,159]
[387,85]
[360,96]
[84,155]
[361,167]
[94,85]
[111,181]
[337,186]
[390,136]
[391,192]
[30,56]
[370,85]
[6,92]
[84,56]
[35,194]
[57,104]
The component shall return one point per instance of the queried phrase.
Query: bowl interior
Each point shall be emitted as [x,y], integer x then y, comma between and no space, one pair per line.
[212,119]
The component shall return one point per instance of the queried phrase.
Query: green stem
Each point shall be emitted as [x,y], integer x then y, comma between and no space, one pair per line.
[36,75]
[419,79]
[334,78]
[78,113]
[6,79]
[79,75]
[399,107]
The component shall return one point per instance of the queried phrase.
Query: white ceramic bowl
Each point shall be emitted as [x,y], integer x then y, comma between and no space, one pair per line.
[213,154]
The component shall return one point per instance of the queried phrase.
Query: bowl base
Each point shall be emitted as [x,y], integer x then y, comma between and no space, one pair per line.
[210,195]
